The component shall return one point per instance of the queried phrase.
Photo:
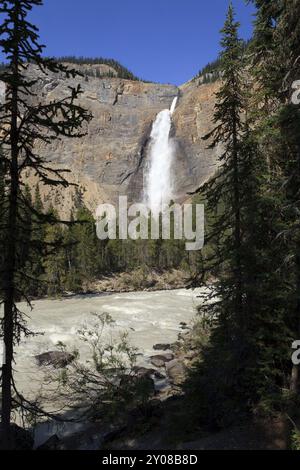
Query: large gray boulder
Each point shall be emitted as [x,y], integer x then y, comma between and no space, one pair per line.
[176,371]
[57,359]
[160,359]
[162,346]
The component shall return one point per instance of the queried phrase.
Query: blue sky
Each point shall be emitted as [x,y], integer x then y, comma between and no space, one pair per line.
[166,41]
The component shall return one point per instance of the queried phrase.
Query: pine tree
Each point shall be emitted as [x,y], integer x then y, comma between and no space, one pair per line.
[243,365]
[25,231]
[287,36]
[87,246]
[224,194]
[228,133]
[54,264]
[276,69]
[287,39]
[22,123]
[33,240]
[73,281]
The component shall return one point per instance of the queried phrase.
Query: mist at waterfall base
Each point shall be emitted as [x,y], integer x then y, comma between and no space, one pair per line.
[158,188]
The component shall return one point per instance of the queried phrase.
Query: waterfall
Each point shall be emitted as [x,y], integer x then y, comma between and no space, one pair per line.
[158,181]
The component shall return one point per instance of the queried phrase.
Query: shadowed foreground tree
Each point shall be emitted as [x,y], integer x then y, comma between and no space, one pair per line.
[245,362]
[24,121]
[276,59]
[226,298]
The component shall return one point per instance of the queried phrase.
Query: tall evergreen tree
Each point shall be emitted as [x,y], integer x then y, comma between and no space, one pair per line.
[277,68]
[22,123]
[242,366]
[37,285]
[87,248]
[54,262]
[229,130]
[73,281]
[225,300]
[287,36]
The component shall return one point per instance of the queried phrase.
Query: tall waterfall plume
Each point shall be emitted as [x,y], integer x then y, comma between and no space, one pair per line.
[158,181]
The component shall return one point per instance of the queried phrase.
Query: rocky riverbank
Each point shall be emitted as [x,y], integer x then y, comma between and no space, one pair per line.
[141,279]
[166,423]
[152,321]
[166,371]
[166,420]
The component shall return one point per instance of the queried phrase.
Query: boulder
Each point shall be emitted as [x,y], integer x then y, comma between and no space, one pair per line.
[160,359]
[147,372]
[143,371]
[56,359]
[176,371]
[156,361]
[162,347]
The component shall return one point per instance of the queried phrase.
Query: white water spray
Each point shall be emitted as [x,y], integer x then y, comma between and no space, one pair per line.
[158,187]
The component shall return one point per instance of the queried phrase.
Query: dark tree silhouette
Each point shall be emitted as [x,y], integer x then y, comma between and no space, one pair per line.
[249,345]
[24,121]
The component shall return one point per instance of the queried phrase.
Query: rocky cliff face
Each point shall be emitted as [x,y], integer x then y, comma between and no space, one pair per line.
[110,160]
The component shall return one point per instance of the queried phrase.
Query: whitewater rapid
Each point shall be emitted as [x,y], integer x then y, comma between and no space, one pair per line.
[148,317]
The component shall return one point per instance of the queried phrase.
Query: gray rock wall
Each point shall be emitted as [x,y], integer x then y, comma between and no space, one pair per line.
[110,159]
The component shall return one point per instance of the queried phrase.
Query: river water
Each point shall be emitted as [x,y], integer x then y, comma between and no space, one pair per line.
[148,317]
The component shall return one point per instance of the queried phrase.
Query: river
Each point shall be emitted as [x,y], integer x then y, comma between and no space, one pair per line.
[148,317]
